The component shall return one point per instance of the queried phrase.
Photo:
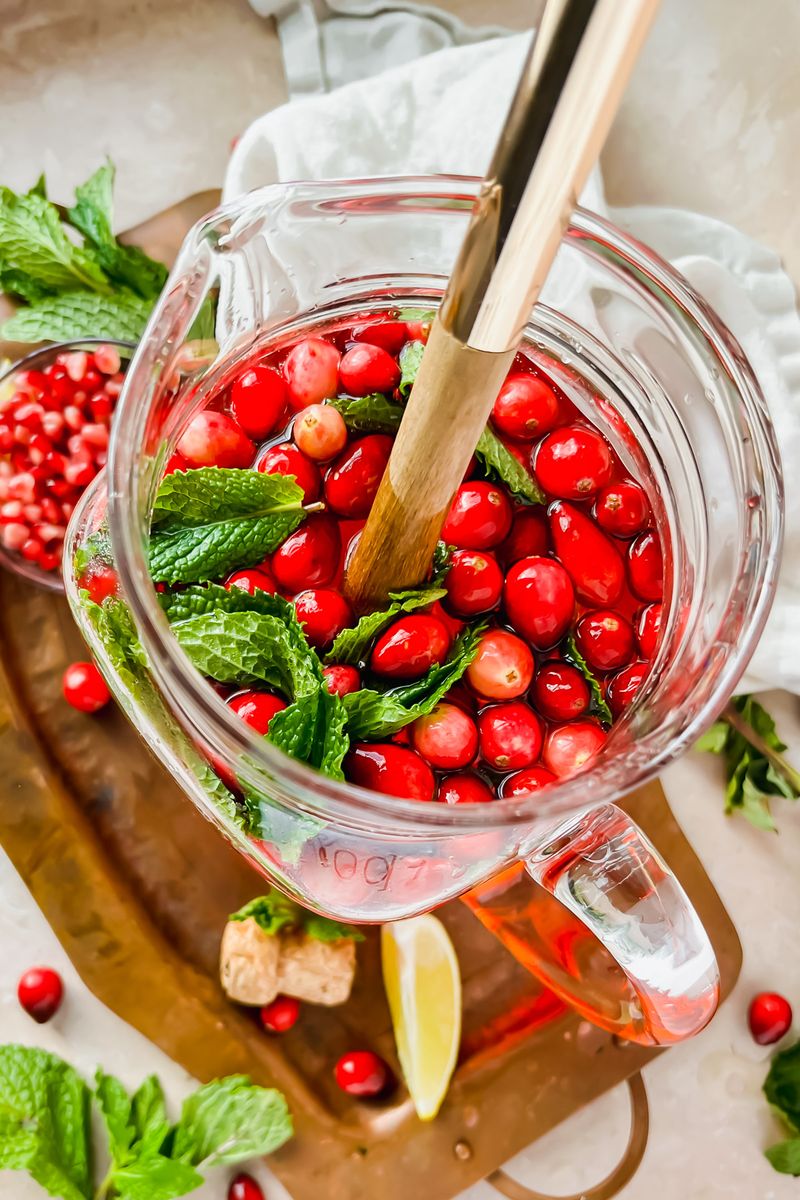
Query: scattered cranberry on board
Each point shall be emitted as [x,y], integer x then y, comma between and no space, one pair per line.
[769,1017]
[362,1073]
[40,992]
[281,1014]
[84,687]
[244,1187]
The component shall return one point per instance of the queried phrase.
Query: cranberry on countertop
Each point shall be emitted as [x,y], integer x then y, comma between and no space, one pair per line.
[362,1073]
[40,992]
[281,1015]
[244,1187]
[769,1017]
[84,687]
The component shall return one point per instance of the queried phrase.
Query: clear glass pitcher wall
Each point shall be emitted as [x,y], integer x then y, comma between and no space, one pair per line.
[629,342]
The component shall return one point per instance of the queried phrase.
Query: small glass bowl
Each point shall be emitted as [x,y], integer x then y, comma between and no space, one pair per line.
[39,360]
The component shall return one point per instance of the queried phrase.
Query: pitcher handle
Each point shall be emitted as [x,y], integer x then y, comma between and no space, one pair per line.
[603,868]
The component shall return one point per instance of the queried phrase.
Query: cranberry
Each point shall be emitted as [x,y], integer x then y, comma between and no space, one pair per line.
[310,556]
[320,432]
[286,459]
[362,1073]
[244,1187]
[622,509]
[465,788]
[352,482]
[502,669]
[532,779]
[311,369]
[474,582]
[605,639]
[769,1017]
[526,407]
[323,613]
[452,624]
[573,462]
[540,600]
[341,680]
[392,770]
[258,401]
[365,369]
[622,688]
[252,579]
[593,563]
[391,336]
[648,629]
[281,1014]
[409,647]
[646,567]
[40,992]
[568,748]
[446,738]
[560,692]
[510,736]
[479,518]
[213,439]
[419,331]
[256,709]
[84,687]
[529,538]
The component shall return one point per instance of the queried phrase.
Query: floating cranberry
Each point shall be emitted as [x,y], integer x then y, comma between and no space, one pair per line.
[286,459]
[391,336]
[352,482]
[474,583]
[622,688]
[280,1015]
[526,407]
[251,580]
[40,992]
[529,538]
[573,462]
[648,629]
[605,639]
[256,709]
[320,432]
[464,788]
[646,567]
[409,647]
[311,369]
[362,1073]
[244,1187]
[593,563]
[568,748]
[365,369]
[532,779]
[258,401]
[769,1017]
[446,738]
[341,679]
[84,687]
[453,625]
[622,509]
[560,692]
[310,556]
[479,518]
[323,613]
[539,600]
[392,770]
[510,736]
[213,439]
[502,669]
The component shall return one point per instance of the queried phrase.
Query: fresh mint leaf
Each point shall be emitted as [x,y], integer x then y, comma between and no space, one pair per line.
[249,648]
[44,1121]
[149,1116]
[782,1085]
[369,414]
[212,519]
[442,560]
[352,644]
[230,1120]
[374,715]
[313,730]
[323,929]
[409,360]
[785,1156]
[79,314]
[715,739]
[33,241]
[415,314]
[201,598]
[271,913]
[269,822]
[599,704]
[19,284]
[115,1106]
[501,466]
[204,326]
[39,188]
[154,1177]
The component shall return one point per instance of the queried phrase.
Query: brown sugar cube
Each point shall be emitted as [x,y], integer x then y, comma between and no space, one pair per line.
[316,971]
[249,963]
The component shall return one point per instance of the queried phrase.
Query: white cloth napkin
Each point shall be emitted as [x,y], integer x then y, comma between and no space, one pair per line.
[441,113]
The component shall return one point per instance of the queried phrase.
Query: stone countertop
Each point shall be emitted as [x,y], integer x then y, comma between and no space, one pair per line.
[711,122]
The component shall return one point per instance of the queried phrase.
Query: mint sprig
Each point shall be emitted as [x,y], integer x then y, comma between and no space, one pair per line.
[275,912]
[599,705]
[409,361]
[352,644]
[782,1090]
[369,414]
[501,466]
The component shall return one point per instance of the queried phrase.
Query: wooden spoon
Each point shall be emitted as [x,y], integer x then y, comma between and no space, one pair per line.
[571,85]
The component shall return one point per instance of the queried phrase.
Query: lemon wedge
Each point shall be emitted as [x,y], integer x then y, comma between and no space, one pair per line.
[423,986]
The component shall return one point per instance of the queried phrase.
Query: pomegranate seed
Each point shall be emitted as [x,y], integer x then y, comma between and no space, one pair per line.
[67,509]
[392,770]
[320,432]
[769,1017]
[310,556]
[101,458]
[84,687]
[560,692]
[76,364]
[410,647]
[286,459]
[31,549]
[573,462]
[502,669]
[341,679]
[50,560]
[311,370]
[510,736]
[256,709]
[540,600]
[464,788]
[95,435]
[75,444]
[107,359]
[532,779]
[362,1073]
[281,1014]
[14,535]
[79,473]
[50,533]
[244,1187]
[446,738]
[479,518]
[352,481]
[32,513]
[113,388]
[11,510]
[22,435]
[73,418]
[365,369]
[51,511]
[40,992]
[6,440]
[100,407]
[30,415]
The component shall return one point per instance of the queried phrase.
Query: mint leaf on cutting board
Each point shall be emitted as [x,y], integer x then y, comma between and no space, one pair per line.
[80,314]
[369,414]
[352,644]
[33,241]
[44,1122]
[782,1090]
[501,466]
[212,519]
[231,1120]
[599,704]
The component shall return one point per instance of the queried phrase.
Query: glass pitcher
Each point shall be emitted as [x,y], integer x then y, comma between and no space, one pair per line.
[628,341]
